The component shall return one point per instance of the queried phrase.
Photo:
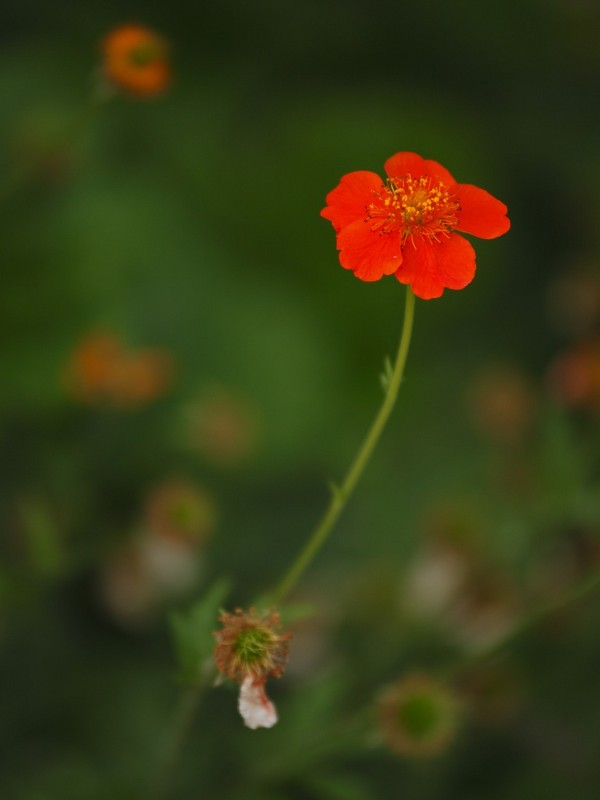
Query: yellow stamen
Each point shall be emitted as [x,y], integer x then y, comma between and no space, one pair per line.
[413,207]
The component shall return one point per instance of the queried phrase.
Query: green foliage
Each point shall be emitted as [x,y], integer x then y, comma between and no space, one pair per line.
[192,634]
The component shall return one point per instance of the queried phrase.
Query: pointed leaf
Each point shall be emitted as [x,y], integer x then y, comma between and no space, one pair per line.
[192,634]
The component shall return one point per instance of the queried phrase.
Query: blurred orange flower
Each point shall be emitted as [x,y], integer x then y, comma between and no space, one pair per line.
[408,225]
[164,557]
[223,425]
[180,512]
[102,370]
[502,403]
[453,581]
[573,299]
[574,376]
[135,59]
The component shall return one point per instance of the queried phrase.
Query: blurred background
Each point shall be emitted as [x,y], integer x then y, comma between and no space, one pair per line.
[185,367]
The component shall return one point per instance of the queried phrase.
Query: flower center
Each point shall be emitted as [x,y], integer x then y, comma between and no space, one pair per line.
[145,54]
[421,715]
[413,207]
[253,646]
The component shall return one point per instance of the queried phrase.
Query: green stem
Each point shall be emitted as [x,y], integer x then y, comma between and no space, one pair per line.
[341,494]
[176,736]
[580,590]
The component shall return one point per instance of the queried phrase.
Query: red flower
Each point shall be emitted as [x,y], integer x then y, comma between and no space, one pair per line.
[408,225]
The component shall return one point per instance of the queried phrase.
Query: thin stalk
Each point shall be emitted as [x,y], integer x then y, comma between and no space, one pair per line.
[588,585]
[174,743]
[341,494]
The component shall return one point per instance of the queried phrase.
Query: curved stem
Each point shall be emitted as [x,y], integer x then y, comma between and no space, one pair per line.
[176,736]
[341,494]
[577,592]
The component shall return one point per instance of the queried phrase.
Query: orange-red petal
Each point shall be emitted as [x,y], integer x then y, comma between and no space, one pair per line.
[429,267]
[368,254]
[481,214]
[347,202]
[405,163]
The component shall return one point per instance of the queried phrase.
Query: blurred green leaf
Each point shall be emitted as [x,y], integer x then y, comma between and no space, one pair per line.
[192,633]
[45,547]
[338,787]
[289,612]
[297,612]
[304,742]
[562,464]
